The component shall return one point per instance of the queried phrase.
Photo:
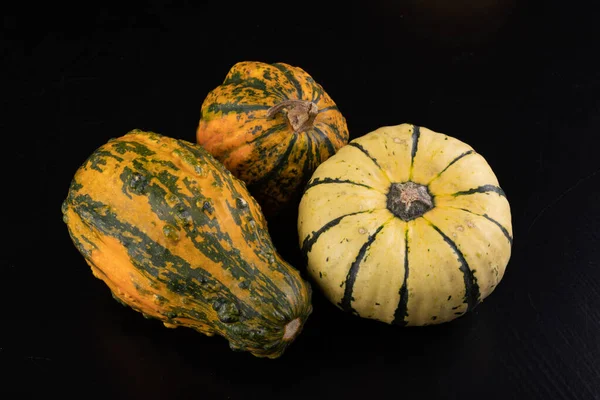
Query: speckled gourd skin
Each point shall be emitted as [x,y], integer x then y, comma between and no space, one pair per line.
[262,149]
[176,237]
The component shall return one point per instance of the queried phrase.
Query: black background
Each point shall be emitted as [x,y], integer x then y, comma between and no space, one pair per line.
[518,81]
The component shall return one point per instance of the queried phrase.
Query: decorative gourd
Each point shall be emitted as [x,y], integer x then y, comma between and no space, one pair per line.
[176,237]
[406,226]
[271,125]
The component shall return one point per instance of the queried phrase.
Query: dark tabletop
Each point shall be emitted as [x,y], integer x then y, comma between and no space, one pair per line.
[517,81]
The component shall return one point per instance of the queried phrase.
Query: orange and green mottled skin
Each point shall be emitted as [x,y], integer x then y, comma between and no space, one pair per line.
[265,151]
[177,237]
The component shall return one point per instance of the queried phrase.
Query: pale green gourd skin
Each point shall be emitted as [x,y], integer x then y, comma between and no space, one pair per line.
[427,270]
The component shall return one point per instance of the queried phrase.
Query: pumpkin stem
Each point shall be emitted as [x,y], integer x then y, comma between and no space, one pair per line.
[300,113]
[291,329]
[409,200]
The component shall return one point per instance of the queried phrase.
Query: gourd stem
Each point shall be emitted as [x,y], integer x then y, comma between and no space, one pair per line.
[300,113]
[291,329]
[409,200]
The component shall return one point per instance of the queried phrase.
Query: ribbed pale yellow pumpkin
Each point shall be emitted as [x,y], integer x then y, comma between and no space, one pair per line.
[406,226]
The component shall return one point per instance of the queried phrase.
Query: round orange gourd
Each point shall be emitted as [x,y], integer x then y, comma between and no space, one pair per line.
[271,125]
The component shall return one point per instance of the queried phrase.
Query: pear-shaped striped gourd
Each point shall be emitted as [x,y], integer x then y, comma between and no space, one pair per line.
[177,237]
[406,226]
